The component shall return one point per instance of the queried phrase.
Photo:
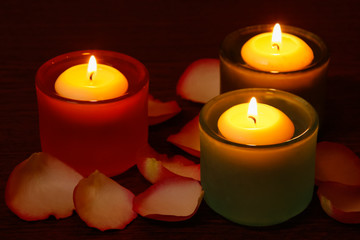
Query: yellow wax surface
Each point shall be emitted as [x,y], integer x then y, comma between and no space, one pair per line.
[75,83]
[293,53]
[272,125]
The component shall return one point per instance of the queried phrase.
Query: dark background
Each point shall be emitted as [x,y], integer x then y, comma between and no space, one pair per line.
[166,36]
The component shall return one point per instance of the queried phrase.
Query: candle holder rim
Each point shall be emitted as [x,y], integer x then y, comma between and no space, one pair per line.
[217,136]
[53,61]
[325,58]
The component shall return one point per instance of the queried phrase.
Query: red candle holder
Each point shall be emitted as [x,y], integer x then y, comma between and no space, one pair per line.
[89,135]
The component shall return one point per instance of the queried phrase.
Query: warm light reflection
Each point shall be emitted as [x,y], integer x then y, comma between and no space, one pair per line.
[252,110]
[92,67]
[276,36]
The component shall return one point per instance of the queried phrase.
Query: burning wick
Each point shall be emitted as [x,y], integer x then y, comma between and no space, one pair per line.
[275,45]
[276,37]
[92,67]
[253,118]
[252,110]
[91,75]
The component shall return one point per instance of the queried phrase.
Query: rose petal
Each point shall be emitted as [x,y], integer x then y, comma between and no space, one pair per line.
[41,186]
[337,163]
[200,81]
[340,201]
[172,199]
[188,138]
[159,112]
[102,203]
[183,167]
[156,167]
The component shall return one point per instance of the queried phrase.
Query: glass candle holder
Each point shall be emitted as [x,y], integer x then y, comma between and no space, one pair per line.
[309,82]
[89,135]
[258,185]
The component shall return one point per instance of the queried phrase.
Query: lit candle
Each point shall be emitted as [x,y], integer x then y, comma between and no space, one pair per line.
[256,124]
[91,82]
[296,62]
[277,52]
[90,134]
[258,185]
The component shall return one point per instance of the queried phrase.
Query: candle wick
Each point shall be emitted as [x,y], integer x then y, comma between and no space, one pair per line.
[253,118]
[91,75]
[276,45]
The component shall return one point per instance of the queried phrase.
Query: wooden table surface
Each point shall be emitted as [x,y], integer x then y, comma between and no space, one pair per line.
[166,36]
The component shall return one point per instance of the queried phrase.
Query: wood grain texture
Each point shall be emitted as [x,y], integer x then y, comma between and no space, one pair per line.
[166,36]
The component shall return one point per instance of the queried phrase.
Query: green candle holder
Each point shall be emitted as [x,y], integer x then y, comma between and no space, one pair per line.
[258,185]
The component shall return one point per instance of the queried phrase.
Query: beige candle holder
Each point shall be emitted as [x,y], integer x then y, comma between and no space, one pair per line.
[308,82]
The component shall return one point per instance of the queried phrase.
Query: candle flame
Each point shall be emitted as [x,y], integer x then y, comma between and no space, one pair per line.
[252,110]
[276,36]
[92,67]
